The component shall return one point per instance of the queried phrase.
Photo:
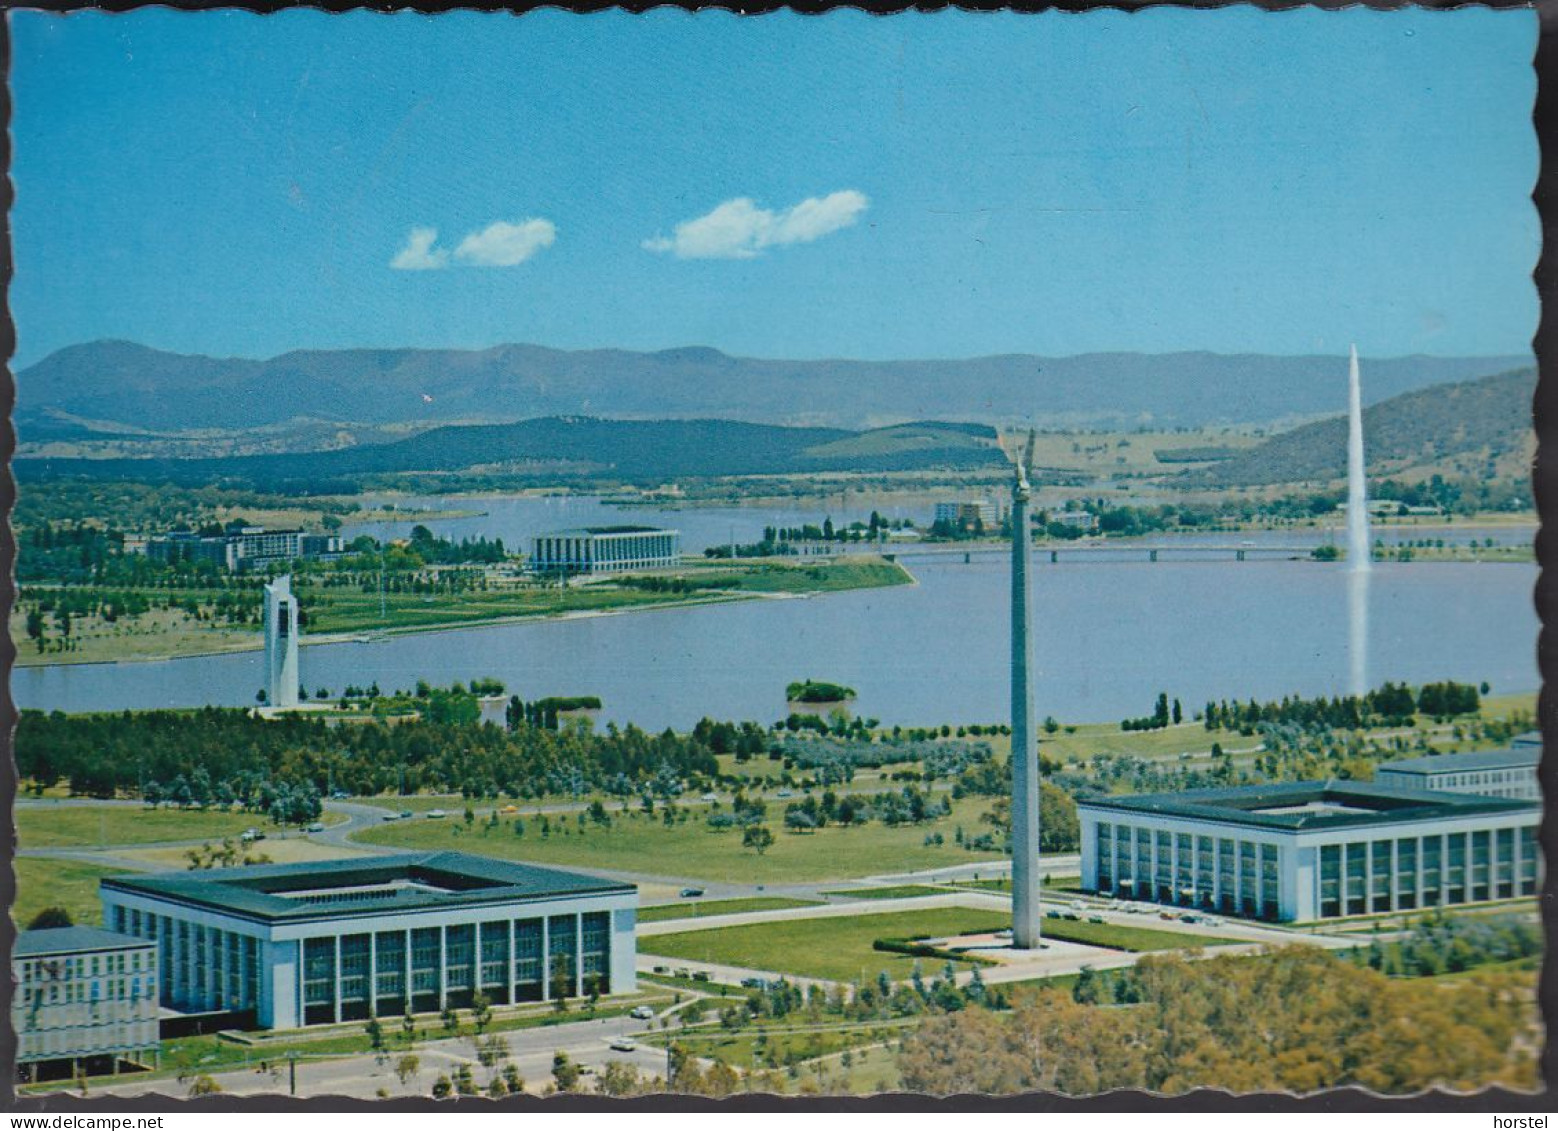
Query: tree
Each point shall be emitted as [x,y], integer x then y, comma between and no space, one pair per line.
[50,917]
[451,1020]
[407,1067]
[375,1032]
[464,1081]
[204,1086]
[513,1080]
[408,1025]
[757,837]
[565,1073]
[481,1012]
[442,1088]
[618,1078]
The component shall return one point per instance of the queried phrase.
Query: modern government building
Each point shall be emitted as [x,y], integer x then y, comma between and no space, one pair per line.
[1310,850]
[343,940]
[605,549]
[85,1000]
[1497,773]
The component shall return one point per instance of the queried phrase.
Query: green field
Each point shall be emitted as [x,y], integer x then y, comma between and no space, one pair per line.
[899,891]
[835,947]
[701,910]
[83,826]
[1117,937]
[70,884]
[691,850]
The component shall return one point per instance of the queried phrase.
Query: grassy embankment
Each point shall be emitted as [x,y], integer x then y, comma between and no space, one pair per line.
[639,843]
[71,884]
[164,633]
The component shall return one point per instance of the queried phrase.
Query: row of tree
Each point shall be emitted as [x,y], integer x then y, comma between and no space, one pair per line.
[1296,1020]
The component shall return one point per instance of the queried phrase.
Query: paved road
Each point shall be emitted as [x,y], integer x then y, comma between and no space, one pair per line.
[531,1051]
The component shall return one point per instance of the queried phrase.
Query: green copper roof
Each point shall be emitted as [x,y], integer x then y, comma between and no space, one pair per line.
[71,940]
[1358,804]
[1515,758]
[431,879]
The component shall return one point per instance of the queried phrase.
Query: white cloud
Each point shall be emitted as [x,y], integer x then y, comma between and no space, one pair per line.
[738,229]
[419,254]
[501,244]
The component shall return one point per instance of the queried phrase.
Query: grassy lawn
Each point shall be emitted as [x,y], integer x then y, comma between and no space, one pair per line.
[1133,939]
[639,843]
[70,884]
[836,947]
[899,891]
[83,826]
[700,910]
[1108,738]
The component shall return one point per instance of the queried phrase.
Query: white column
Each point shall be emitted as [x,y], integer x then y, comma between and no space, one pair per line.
[337,941]
[546,958]
[443,967]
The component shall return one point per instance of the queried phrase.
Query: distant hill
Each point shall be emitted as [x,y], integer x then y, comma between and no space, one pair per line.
[1470,427]
[636,450]
[120,385]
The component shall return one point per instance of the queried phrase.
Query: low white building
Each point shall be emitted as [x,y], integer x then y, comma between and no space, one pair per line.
[1496,773]
[343,940]
[605,549]
[1310,850]
[85,999]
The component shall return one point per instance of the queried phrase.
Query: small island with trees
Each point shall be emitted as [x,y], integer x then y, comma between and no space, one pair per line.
[817,691]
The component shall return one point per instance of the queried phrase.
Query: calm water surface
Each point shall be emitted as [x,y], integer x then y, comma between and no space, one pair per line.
[1109,635]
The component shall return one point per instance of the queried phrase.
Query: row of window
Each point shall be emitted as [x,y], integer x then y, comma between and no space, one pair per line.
[1406,873]
[1237,877]
[130,989]
[352,977]
[71,966]
[202,967]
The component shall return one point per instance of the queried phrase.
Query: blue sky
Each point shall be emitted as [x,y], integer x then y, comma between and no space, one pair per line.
[785,186]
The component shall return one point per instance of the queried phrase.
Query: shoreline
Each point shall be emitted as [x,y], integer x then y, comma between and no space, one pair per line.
[371,636]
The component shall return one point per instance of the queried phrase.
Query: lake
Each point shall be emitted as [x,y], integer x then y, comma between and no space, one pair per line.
[1109,634]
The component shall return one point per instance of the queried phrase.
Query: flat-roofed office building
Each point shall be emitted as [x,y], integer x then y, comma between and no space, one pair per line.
[343,940]
[605,549]
[1310,850]
[85,999]
[1496,773]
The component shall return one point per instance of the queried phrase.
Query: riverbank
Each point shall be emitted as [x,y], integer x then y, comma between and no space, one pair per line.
[337,616]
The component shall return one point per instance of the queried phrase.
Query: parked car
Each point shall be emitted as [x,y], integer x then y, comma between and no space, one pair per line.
[316,827]
[1095,918]
[642,1013]
[1052,915]
[1078,905]
[392,816]
[406,814]
[251,834]
[509,809]
[339,795]
[691,893]
[784,793]
[624,1044]
[1166,915]
[435,814]
[700,975]
[710,797]
[753,983]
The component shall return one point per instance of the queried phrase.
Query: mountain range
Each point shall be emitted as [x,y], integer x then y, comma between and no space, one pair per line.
[122,387]
[1482,428]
